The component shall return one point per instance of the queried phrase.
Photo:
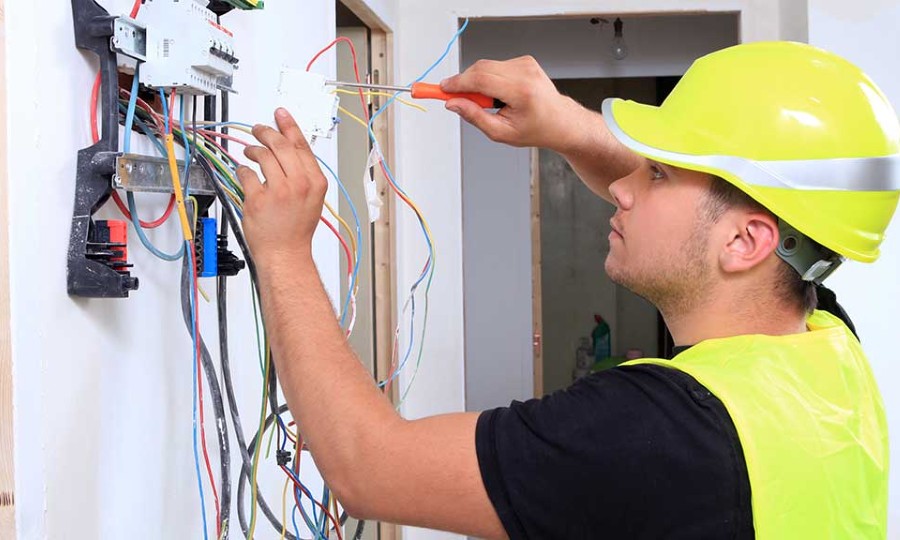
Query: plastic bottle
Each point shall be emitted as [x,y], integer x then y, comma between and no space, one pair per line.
[601,339]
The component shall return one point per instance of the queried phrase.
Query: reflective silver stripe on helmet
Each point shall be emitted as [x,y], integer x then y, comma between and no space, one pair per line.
[841,174]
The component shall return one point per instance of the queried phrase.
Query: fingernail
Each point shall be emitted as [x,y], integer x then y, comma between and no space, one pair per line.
[453,108]
[281,112]
[444,81]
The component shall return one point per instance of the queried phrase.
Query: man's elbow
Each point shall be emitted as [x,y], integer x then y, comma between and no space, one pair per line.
[353,499]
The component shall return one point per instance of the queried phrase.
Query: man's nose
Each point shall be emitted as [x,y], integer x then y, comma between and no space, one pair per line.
[621,193]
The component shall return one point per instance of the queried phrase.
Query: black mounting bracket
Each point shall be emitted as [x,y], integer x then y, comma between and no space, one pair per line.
[90,272]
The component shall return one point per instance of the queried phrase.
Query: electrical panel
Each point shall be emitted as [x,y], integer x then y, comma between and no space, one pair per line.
[186,48]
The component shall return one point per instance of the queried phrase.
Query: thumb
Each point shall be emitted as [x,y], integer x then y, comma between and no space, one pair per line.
[489,123]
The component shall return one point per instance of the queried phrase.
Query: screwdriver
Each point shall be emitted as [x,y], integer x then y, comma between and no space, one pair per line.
[428,91]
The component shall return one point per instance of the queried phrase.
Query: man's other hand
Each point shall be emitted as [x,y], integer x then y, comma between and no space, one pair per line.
[281,215]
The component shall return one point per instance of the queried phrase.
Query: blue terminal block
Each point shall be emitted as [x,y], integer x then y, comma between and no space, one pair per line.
[208,262]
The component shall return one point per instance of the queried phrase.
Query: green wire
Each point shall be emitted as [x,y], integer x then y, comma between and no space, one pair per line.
[262,369]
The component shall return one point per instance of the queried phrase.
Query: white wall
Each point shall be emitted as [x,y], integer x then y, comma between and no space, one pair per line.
[866,34]
[574,48]
[386,10]
[103,387]
[432,173]
[497,273]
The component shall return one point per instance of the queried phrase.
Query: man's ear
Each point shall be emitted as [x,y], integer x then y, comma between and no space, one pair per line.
[750,238]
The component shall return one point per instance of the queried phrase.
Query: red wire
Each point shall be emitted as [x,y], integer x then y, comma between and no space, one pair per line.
[334,522]
[212,481]
[217,145]
[225,136]
[343,243]
[95,136]
[172,111]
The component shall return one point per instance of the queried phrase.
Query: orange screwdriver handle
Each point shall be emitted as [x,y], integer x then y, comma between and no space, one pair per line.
[433,91]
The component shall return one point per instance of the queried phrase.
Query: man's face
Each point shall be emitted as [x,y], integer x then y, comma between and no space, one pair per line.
[658,247]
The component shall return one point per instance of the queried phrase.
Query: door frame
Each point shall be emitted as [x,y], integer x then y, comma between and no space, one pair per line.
[7,465]
[384,266]
[537,317]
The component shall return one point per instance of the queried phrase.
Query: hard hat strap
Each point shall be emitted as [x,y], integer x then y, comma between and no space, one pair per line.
[810,259]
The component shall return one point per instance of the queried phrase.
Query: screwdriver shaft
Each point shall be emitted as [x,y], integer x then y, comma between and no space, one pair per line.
[372,86]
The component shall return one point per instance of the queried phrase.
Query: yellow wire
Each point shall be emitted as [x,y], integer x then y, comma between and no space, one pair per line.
[408,201]
[345,226]
[375,93]
[353,117]
[287,482]
[176,183]
[195,204]
[256,453]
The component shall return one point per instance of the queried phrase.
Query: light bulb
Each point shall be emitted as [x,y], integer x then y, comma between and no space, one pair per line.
[618,48]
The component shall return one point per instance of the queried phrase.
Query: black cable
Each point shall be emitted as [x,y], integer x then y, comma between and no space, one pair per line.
[215,393]
[209,368]
[229,218]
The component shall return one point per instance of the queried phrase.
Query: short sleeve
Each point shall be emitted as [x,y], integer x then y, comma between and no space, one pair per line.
[638,451]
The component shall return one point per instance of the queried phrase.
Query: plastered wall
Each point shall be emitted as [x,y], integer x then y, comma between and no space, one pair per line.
[103,387]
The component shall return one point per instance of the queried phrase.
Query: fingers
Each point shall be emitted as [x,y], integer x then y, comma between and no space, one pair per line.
[269,165]
[495,126]
[249,181]
[283,150]
[289,128]
[482,82]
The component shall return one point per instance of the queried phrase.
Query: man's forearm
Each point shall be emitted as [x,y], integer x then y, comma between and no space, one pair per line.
[594,154]
[338,408]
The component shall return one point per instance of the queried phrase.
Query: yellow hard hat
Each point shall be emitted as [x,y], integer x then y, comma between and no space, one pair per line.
[802,131]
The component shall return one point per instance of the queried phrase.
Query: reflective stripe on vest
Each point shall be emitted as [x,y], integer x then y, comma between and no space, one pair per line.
[811,423]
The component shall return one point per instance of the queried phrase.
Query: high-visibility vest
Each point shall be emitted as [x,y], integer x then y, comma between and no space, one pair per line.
[811,423]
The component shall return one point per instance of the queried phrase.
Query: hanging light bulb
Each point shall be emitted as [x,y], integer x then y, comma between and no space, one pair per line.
[618,48]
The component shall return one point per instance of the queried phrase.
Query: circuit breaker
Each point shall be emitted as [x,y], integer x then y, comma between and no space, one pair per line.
[187,48]
[312,103]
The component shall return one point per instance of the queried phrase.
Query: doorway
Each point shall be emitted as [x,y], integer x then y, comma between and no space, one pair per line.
[573,296]
[508,352]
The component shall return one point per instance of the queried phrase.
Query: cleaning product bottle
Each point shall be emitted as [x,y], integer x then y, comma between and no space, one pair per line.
[601,339]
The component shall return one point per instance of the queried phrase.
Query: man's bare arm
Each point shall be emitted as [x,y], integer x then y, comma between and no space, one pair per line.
[380,466]
[536,114]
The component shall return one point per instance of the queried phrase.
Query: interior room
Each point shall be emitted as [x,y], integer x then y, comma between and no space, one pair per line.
[139,396]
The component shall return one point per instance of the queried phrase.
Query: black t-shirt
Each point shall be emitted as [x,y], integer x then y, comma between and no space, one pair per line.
[632,452]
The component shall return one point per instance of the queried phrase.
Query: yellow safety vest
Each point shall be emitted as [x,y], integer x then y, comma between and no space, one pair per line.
[811,423]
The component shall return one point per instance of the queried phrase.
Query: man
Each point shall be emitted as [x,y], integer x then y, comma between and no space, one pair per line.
[767,165]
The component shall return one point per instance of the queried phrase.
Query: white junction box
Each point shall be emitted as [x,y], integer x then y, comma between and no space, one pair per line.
[312,104]
[186,47]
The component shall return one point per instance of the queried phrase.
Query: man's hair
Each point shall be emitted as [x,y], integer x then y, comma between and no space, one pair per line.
[723,196]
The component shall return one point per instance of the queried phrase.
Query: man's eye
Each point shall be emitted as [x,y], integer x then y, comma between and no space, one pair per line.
[656,173]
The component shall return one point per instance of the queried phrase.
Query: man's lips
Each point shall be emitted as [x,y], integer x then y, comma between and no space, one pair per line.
[616,228]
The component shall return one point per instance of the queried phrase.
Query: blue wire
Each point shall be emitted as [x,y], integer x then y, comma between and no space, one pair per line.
[219,124]
[294,519]
[145,129]
[428,271]
[132,206]
[323,524]
[187,149]
[358,235]
[300,491]
[165,108]
[194,369]
[132,105]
